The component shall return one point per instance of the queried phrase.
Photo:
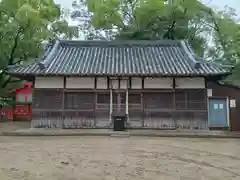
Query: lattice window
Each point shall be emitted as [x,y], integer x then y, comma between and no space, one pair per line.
[79,100]
[180,100]
[103,98]
[163,100]
[119,97]
[103,101]
[47,99]
[134,101]
[193,99]
[196,99]
[134,98]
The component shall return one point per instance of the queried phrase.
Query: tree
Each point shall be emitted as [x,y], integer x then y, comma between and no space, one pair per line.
[24,25]
[80,15]
[176,19]
[152,20]
[226,36]
[213,34]
[225,40]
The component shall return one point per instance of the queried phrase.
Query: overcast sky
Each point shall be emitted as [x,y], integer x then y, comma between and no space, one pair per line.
[221,3]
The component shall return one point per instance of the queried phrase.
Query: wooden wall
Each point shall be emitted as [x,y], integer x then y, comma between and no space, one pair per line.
[233,94]
[84,102]
[184,109]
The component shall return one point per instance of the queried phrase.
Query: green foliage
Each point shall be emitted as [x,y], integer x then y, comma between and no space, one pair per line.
[212,34]
[226,36]
[149,19]
[24,25]
[225,40]
[106,15]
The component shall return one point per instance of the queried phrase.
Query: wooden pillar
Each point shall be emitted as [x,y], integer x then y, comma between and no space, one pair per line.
[142,103]
[173,114]
[118,101]
[63,107]
[127,102]
[110,108]
[126,109]
[206,99]
[63,103]
[186,98]
[95,108]
[33,101]
[142,109]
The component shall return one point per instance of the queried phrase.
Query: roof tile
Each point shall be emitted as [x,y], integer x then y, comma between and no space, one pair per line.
[123,58]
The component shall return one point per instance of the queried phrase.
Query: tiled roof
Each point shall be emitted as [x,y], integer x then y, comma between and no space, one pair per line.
[120,58]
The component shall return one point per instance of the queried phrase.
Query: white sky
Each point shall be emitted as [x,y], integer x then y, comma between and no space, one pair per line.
[221,3]
[215,3]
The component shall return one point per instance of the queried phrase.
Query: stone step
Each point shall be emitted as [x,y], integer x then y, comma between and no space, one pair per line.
[119,134]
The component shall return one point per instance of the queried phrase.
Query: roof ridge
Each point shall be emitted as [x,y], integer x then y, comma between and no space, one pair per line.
[203,61]
[188,50]
[119,42]
[217,64]
[24,64]
[38,60]
[48,58]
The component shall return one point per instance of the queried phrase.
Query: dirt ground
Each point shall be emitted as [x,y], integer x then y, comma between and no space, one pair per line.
[134,158]
[8,126]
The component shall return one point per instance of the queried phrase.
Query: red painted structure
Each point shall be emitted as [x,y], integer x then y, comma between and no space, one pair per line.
[23,108]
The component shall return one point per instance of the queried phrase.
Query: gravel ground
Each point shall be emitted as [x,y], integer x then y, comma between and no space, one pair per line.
[135,158]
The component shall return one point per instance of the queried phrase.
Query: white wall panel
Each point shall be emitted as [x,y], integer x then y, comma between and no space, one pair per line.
[190,83]
[114,83]
[158,83]
[136,83]
[49,82]
[102,83]
[80,83]
[123,84]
